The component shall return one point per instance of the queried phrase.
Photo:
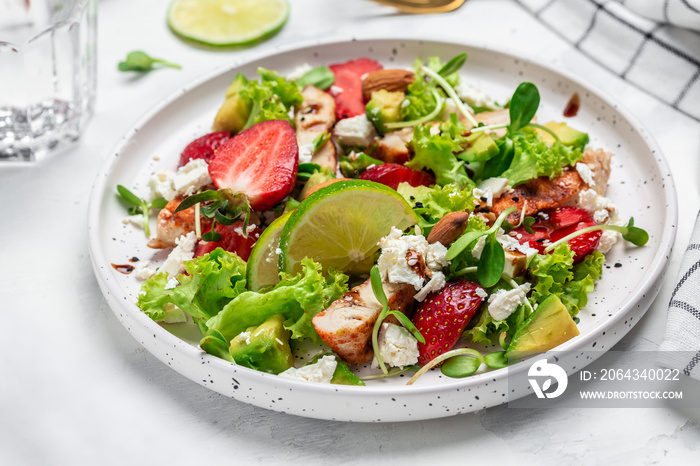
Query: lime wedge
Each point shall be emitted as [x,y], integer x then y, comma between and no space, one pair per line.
[223,23]
[262,269]
[341,224]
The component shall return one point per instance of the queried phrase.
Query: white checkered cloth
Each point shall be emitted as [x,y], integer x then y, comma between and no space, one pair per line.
[653,44]
[681,346]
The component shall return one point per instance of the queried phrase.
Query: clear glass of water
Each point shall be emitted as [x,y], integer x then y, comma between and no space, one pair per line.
[47,74]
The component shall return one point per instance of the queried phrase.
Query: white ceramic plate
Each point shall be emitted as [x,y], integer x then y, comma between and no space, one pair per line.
[640,185]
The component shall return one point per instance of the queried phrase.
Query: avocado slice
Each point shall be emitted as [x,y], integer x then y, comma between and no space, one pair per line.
[264,348]
[549,326]
[384,107]
[567,135]
[234,112]
[480,147]
[342,374]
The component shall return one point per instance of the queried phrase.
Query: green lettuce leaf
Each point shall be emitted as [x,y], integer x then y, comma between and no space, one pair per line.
[353,167]
[436,152]
[272,97]
[433,203]
[486,330]
[298,298]
[287,91]
[210,282]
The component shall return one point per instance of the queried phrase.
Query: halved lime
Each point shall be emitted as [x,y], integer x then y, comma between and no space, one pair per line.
[223,23]
[262,269]
[341,224]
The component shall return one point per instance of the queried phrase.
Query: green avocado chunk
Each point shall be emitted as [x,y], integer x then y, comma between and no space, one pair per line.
[567,135]
[549,326]
[342,374]
[264,348]
[480,148]
[384,107]
[234,112]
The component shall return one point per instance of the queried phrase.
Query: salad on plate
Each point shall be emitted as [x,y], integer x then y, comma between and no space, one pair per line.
[350,216]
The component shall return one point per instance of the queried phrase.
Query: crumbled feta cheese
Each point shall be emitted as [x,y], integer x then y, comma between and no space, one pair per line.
[299,71]
[473,95]
[485,196]
[142,271]
[306,151]
[188,180]
[321,371]
[172,283]
[397,346]
[355,131]
[436,282]
[607,240]
[498,186]
[184,251]
[480,292]
[504,302]
[508,242]
[245,336]
[136,220]
[335,90]
[434,130]
[599,207]
[586,174]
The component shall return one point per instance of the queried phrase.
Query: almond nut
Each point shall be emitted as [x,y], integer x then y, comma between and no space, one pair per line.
[449,228]
[389,80]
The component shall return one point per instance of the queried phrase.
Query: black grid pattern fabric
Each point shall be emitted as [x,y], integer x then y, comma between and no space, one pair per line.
[654,55]
[681,345]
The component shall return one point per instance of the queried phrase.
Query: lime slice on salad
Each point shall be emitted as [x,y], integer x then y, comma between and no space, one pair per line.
[262,269]
[341,224]
[223,23]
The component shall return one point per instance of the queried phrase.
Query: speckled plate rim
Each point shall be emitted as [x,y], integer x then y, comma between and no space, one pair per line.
[641,297]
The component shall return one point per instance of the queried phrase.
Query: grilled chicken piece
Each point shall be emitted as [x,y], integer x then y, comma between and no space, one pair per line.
[315,115]
[393,146]
[540,193]
[171,226]
[346,325]
[599,161]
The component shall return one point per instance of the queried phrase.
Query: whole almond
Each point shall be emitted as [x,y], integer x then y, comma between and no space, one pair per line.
[449,228]
[389,80]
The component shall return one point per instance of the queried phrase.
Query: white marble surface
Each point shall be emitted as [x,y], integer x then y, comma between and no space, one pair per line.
[76,388]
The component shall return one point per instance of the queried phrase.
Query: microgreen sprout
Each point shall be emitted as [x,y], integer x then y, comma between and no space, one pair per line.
[142,62]
[140,206]
[432,116]
[469,237]
[224,206]
[378,290]
[634,235]
[451,93]
[320,140]
[453,65]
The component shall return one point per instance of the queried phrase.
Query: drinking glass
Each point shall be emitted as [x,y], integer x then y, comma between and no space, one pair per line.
[47,74]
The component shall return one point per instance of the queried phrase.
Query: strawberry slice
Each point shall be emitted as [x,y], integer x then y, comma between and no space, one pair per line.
[555,224]
[444,315]
[203,147]
[391,174]
[261,162]
[347,87]
[232,240]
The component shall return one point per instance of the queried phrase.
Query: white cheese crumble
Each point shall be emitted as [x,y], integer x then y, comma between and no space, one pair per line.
[299,71]
[321,371]
[172,283]
[484,196]
[306,151]
[142,271]
[599,207]
[335,90]
[473,95]
[434,130]
[393,262]
[508,242]
[245,336]
[135,220]
[480,292]
[504,302]
[186,181]
[498,186]
[586,173]
[184,251]
[355,131]
[397,346]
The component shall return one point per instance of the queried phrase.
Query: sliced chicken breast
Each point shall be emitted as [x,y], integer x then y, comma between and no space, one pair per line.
[315,115]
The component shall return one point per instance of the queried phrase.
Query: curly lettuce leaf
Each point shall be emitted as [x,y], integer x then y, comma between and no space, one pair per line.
[271,97]
[433,203]
[557,274]
[211,281]
[287,91]
[437,152]
[298,298]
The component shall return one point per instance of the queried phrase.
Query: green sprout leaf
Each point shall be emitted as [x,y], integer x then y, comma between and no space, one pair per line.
[453,65]
[635,235]
[320,140]
[469,237]
[523,106]
[321,77]
[631,233]
[140,206]
[461,366]
[142,62]
[491,263]
[527,224]
[377,288]
[408,325]
[496,360]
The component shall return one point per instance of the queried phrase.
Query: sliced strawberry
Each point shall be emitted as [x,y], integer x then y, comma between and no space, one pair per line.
[444,315]
[203,147]
[554,224]
[347,87]
[261,162]
[391,174]
[232,240]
